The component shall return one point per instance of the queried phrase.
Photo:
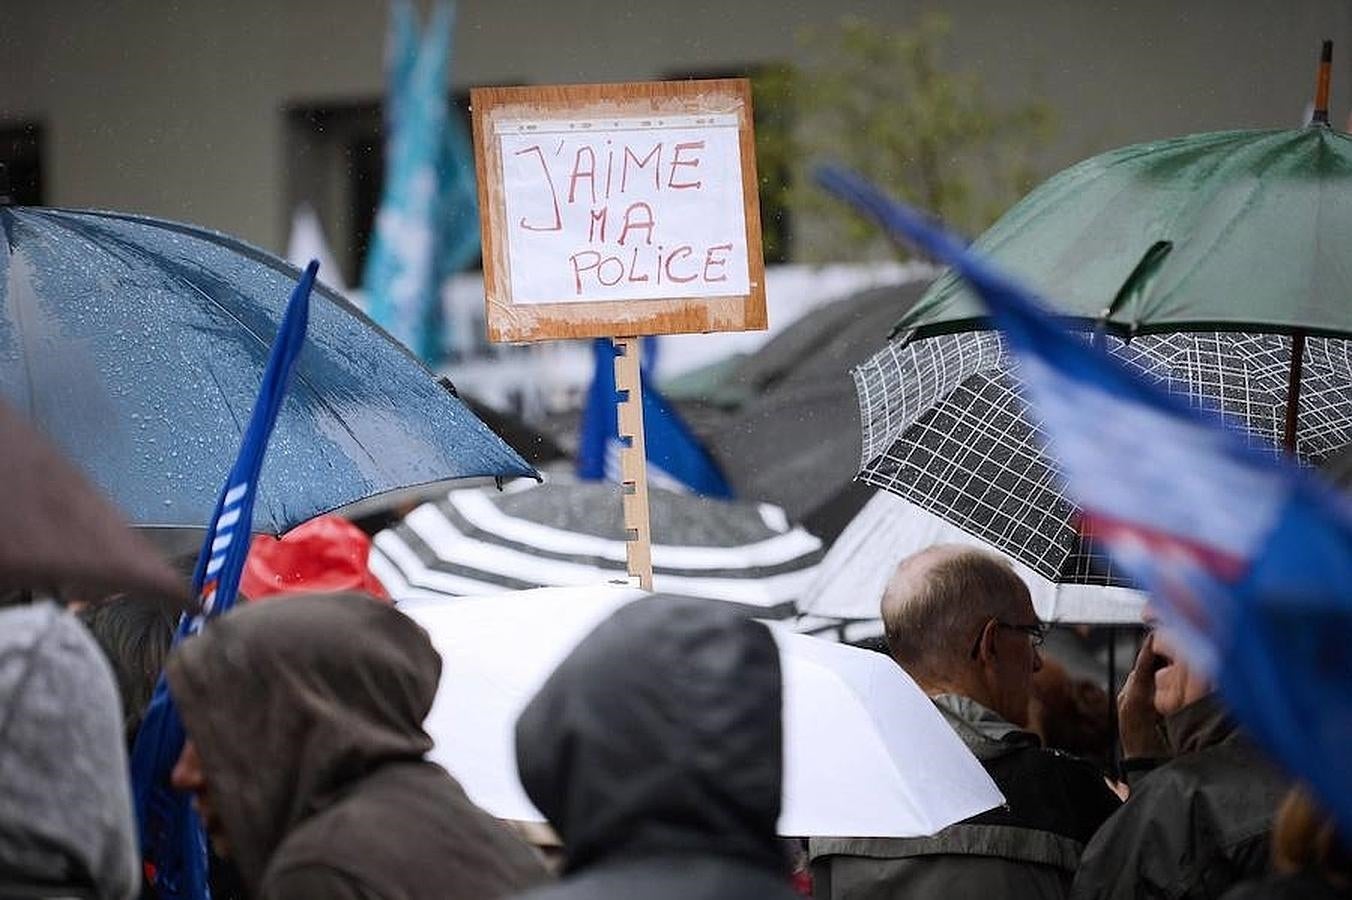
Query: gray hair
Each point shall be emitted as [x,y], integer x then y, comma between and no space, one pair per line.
[937,601]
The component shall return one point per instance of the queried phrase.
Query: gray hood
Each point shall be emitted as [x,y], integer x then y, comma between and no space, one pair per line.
[65,804]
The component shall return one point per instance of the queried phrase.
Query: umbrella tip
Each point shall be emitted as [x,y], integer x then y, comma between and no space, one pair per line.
[1320,116]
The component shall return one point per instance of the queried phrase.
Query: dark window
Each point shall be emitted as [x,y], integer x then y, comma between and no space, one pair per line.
[21,154]
[336,164]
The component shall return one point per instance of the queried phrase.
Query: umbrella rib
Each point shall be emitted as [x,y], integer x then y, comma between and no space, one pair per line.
[298,374]
[245,250]
[31,390]
[109,238]
[6,225]
[225,401]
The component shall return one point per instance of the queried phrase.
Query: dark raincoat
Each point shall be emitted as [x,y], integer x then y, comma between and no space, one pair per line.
[1195,826]
[1026,849]
[655,750]
[307,712]
[1293,886]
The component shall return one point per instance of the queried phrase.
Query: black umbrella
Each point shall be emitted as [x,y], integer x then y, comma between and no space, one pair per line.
[792,435]
[1339,468]
[945,428]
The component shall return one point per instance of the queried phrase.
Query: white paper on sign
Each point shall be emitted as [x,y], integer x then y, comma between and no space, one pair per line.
[624,209]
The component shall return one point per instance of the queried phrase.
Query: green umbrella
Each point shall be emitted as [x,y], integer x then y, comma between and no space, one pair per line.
[1228,231]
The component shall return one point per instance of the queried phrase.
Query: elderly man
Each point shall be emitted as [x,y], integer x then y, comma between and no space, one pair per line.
[961,623]
[1197,823]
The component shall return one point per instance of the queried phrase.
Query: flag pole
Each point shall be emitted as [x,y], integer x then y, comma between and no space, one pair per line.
[1319,118]
[633,461]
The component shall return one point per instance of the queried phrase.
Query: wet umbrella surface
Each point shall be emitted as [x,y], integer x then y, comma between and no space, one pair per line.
[58,533]
[1231,230]
[137,345]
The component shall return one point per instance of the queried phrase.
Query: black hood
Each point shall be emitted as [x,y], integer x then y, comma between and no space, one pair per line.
[660,734]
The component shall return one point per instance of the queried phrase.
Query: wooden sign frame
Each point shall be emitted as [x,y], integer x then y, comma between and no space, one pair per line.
[508,320]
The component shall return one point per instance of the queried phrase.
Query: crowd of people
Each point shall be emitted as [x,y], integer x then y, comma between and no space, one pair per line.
[655,750]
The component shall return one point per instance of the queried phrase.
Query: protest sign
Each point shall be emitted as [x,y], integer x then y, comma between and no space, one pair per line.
[618,210]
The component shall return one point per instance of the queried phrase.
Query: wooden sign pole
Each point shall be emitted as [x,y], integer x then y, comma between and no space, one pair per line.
[633,462]
[620,209]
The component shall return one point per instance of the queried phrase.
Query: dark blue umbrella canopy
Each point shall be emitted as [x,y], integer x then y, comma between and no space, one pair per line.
[138,345]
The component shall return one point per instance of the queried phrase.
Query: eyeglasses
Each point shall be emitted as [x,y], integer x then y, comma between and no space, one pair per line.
[1037,633]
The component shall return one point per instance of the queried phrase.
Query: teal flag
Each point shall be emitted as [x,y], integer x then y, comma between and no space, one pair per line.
[427,227]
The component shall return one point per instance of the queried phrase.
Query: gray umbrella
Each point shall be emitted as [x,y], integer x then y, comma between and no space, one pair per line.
[475,542]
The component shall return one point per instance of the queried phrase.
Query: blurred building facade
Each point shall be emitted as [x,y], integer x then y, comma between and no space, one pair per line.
[229,114]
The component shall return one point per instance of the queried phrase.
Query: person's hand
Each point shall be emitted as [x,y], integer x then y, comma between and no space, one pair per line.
[1138,723]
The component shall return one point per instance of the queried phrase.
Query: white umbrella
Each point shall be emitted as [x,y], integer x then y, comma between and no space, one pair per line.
[865,752]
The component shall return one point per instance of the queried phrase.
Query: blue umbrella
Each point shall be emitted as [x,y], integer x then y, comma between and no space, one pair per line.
[137,345]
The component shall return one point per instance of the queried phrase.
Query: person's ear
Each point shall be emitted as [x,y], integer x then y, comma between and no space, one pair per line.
[987,642]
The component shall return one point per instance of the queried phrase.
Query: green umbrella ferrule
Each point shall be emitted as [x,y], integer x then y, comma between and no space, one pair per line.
[1320,116]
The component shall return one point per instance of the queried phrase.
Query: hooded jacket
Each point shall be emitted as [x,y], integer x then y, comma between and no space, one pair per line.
[65,802]
[307,714]
[1028,848]
[655,750]
[1195,826]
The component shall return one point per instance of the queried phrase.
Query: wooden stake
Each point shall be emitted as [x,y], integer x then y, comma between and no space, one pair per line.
[633,462]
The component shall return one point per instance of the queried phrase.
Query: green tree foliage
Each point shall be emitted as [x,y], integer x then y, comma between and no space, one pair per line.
[884,104]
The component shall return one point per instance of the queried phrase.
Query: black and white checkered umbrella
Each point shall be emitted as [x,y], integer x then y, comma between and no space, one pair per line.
[945,428]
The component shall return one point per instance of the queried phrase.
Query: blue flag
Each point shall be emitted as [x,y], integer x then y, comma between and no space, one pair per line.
[427,226]
[458,201]
[172,840]
[1247,556]
[676,459]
